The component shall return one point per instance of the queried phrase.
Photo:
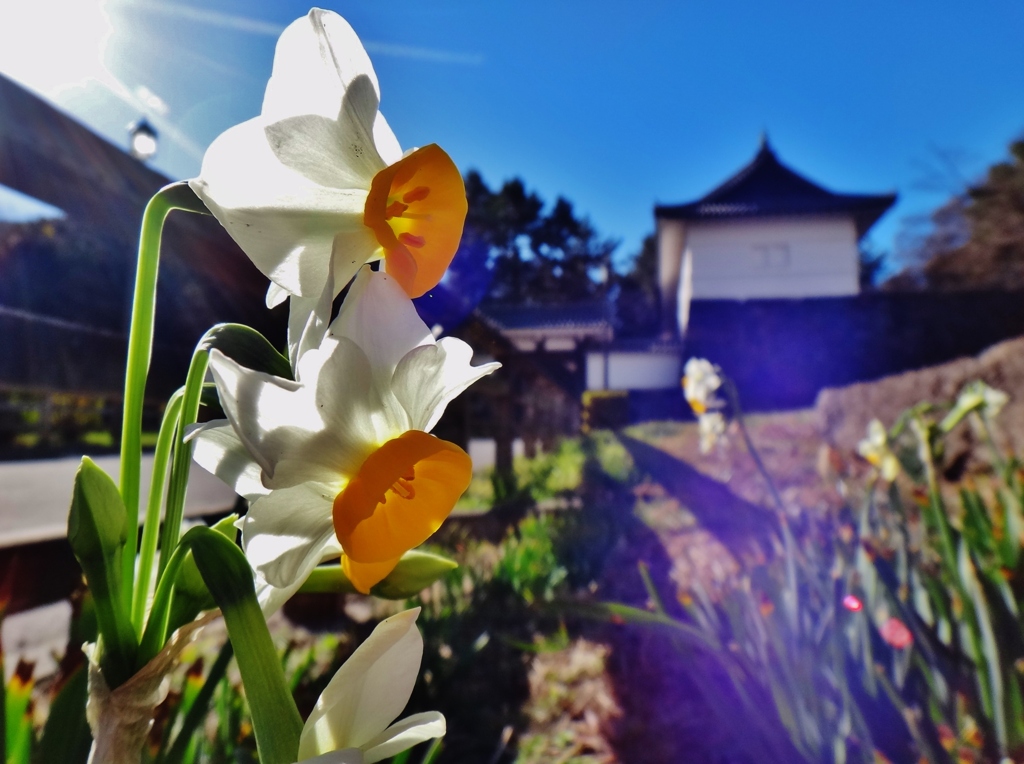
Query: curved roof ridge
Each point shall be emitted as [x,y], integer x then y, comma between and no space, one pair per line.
[766,187]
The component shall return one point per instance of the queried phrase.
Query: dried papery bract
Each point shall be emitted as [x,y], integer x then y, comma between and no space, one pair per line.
[121,718]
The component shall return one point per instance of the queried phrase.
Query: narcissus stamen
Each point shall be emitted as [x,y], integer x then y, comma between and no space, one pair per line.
[416,209]
[399,497]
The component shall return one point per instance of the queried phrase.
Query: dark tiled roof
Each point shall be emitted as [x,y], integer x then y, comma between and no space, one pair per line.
[66,337]
[579,315]
[766,188]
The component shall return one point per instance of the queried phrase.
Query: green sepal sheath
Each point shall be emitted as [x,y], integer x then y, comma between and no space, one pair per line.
[415,572]
[248,347]
[97,532]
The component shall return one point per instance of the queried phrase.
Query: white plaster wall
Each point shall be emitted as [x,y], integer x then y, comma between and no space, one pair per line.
[775,257]
[484,451]
[633,371]
[671,240]
[595,371]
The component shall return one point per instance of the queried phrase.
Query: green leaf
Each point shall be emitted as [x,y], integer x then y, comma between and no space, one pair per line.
[986,648]
[228,576]
[178,600]
[247,347]
[97,533]
[18,724]
[65,738]
[977,527]
[197,710]
[1008,545]
[1015,710]
[190,593]
[433,751]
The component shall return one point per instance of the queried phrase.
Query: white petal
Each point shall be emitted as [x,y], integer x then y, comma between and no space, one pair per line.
[336,151]
[275,295]
[283,222]
[387,144]
[352,249]
[288,533]
[404,734]
[218,449]
[360,414]
[272,598]
[316,58]
[346,756]
[380,318]
[308,320]
[428,378]
[369,690]
[278,422]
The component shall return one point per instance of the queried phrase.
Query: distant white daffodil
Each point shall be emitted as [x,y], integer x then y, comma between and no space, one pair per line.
[875,450]
[701,383]
[979,396]
[352,720]
[340,459]
[320,172]
[711,427]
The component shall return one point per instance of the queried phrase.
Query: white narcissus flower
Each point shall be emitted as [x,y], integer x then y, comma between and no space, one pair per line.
[340,460]
[350,722]
[711,426]
[994,400]
[319,172]
[978,395]
[875,449]
[701,382]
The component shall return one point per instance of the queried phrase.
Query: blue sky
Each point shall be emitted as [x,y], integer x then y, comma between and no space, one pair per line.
[615,105]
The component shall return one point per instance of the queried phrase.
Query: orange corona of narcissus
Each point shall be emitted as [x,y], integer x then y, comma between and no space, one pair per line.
[398,498]
[416,208]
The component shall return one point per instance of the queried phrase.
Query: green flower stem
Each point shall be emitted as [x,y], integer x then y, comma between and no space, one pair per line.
[155,635]
[140,350]
[228,576]
[790,594]
[737,413]
[151,527]
[182,460]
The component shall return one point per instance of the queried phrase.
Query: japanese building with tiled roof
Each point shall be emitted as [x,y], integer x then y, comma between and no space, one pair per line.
[768,188]
[766,232]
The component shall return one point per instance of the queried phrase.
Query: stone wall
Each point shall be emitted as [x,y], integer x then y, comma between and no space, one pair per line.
[844,412]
